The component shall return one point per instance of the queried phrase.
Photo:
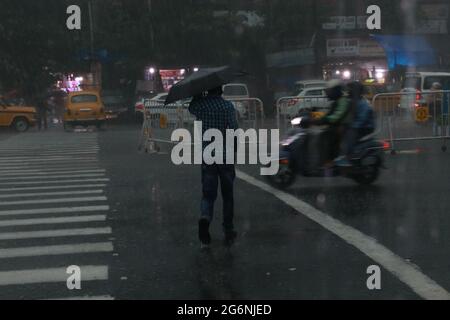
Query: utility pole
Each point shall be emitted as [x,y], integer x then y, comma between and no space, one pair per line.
[94,68]
[91,28]
[316,38]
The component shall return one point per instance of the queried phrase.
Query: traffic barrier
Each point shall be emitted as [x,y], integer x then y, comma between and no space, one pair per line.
[249,112]
[413,116]
[160,121]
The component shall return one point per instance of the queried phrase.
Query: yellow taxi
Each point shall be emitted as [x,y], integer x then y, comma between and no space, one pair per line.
[84,108]
[19,117]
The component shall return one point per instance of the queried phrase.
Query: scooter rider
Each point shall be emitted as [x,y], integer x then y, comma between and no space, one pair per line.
[363,123]
[337,118]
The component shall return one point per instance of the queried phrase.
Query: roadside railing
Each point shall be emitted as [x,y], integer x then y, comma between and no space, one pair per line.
[160,121]
[413,116]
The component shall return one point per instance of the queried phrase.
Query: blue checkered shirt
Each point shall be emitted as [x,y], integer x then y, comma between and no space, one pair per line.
[215,113]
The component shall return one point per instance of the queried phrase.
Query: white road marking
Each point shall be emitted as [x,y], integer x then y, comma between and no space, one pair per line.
[58,200]
[59,220]
[54,233]
[420,283]
[52,176]
[55,166]
[36,157]
[98,298]
[56,250]
[75,186]
[49,152]
[54,210]
[35,172]
[31,160]
[53,147]
[52,182]
[26,155]
[32,276]
[46,194]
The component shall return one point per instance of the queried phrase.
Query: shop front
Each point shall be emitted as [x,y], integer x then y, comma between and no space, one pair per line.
[163,78]
[355,59]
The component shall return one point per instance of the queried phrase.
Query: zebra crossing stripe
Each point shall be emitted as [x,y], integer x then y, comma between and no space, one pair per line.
[34,172]
[54,233]
[44,221]
[56,250]
[54,210]
[58,200]
[51,176]
[25,183]
[50,275]
[46,194]
[75,186]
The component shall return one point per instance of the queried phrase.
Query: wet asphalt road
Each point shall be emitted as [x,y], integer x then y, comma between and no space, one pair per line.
[280,254]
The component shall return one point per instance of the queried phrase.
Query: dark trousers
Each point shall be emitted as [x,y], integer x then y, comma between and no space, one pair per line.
[351,138]
[210,181]
[329,144]
[42,121]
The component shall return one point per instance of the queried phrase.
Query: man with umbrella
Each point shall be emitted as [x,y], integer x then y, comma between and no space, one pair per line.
[215,113]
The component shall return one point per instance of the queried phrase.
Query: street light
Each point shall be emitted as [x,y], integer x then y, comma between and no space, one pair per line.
[347,74]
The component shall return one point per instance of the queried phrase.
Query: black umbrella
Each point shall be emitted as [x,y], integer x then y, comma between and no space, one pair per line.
[201,81]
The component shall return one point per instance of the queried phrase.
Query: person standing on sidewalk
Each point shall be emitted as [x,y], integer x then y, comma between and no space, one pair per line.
[42,109]
[216,113]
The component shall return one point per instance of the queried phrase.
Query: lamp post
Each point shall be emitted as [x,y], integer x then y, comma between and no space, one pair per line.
[94,69]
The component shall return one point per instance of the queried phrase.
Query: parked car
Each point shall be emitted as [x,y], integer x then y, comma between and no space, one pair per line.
[308,84]
[313,99]
[84,108]
[16,115]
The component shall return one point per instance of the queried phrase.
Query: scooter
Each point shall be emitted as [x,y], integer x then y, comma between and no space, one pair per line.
[295,159]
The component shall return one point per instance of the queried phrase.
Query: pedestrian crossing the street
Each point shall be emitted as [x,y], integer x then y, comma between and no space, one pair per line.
[54,215]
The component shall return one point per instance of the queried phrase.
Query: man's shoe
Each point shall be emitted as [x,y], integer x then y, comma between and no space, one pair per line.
[230,237]
[203,232]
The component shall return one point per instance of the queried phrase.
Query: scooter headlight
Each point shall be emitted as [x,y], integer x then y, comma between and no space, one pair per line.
[296,121]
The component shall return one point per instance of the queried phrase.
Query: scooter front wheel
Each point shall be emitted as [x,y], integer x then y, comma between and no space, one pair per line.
[368,175]
[283,179]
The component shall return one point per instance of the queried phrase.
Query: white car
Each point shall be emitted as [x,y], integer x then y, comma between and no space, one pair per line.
[235,92]
[313,99]
[417,85]
[309,84]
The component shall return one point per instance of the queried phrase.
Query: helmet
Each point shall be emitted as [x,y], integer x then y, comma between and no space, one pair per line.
[334,89]
[334,83]
[355,89]
[436,86]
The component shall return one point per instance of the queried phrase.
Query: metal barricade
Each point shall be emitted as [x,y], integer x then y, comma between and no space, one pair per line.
[160,121]
[249,112]
[413,116]
[289,107]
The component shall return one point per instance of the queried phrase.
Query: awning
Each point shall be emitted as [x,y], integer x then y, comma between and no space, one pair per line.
[409,51]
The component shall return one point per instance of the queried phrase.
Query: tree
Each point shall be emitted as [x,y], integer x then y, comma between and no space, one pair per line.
[35,44]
